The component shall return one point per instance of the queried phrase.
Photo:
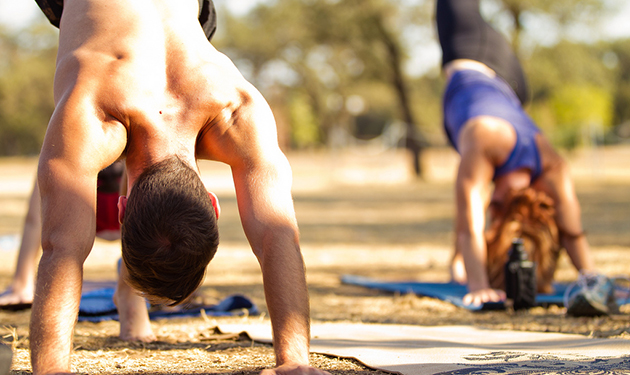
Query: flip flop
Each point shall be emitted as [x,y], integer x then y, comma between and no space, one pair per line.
[16,306]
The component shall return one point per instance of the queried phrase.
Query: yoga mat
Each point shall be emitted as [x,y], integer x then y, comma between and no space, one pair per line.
[88,286]
[419,350]
[449,292]
[98,305]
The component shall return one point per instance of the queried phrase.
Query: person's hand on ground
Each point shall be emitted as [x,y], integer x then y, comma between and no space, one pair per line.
[481,296]
[294,369]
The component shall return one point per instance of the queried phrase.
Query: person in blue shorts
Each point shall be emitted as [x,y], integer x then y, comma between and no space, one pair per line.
[502,150]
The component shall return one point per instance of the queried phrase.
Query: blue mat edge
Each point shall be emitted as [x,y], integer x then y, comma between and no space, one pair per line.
[230,306]
[415,286]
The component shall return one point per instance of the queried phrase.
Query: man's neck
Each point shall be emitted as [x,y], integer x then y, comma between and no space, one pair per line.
[136,164]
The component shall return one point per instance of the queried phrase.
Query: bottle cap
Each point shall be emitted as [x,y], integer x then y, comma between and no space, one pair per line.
[517,252]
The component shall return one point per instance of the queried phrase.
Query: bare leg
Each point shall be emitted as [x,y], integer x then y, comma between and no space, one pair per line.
[132,311]
[22,287]
[132,308]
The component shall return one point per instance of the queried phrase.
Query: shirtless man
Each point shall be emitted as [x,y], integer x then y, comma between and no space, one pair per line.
[498,143]
[138,80]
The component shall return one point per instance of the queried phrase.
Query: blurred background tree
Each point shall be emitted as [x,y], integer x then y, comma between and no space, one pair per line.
[344,60]
[351,64]
[572,73]
[344,72]
[27,68]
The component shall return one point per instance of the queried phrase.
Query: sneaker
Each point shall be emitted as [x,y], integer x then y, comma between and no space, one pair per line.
[591,295]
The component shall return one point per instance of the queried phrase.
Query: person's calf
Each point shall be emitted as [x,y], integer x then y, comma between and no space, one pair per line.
[133,314]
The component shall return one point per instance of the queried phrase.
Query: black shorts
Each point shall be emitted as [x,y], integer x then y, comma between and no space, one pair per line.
[207,14]
[464,34]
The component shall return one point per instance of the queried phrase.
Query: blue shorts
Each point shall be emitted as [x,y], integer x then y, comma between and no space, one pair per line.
[471,94]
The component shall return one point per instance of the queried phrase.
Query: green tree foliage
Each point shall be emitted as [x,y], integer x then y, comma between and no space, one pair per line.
[305,132]
[311,58]
[617,56]
[27,65]
[326,51]
[331,51]
[578,108]
[565,13]
[572,89]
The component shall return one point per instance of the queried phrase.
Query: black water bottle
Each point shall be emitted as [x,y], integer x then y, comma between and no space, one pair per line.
[520,277]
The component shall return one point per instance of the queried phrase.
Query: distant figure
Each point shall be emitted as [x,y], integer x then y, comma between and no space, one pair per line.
[501,146]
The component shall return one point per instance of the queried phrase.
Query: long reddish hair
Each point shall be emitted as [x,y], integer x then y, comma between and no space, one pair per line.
[530,215]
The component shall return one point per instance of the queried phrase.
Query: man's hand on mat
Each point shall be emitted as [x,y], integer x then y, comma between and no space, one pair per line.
[482,296]
[294,369]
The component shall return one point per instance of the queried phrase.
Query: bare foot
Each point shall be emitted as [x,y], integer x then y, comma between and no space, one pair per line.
[16,297]
[133,316]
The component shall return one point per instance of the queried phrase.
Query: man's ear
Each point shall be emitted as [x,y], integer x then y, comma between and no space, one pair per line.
[215,204]
[122,206]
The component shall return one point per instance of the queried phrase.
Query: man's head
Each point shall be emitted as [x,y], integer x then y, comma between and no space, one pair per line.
[169,231]
[530,215]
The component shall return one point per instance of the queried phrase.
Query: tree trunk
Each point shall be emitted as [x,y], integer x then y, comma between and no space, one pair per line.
[412,142]
[515,10]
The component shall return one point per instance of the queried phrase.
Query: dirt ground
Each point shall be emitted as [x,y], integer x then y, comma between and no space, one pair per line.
[360,213]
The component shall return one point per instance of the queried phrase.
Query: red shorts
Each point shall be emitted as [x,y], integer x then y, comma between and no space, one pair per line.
[107,212]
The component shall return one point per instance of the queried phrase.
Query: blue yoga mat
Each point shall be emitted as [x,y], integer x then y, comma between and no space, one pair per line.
[98,305]
[449,292]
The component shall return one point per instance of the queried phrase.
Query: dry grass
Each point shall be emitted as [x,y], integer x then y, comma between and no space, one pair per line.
[397,230]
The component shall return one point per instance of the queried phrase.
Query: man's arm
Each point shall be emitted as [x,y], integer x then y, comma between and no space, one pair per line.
[262,177]
[243,135]
[76,147]
[266,209]
[263,187]
[67,239]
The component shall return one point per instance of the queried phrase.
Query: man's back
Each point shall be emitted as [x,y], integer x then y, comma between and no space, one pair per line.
[130,39]
[145,65]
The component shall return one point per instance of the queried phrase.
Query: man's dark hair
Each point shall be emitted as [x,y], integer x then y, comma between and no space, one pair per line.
[169,231]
